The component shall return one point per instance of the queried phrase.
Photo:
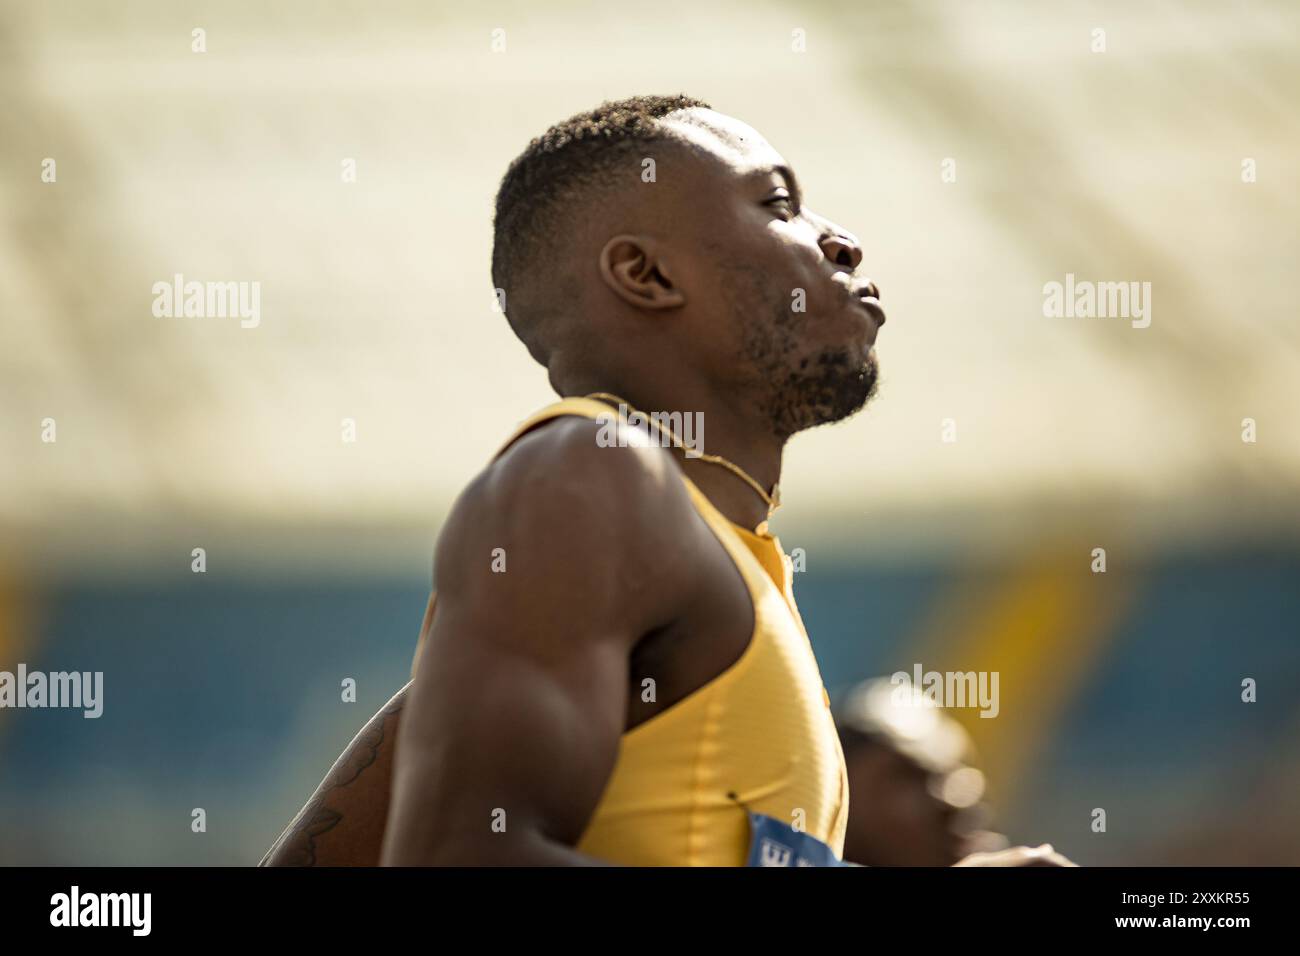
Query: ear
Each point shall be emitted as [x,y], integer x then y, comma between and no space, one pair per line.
[634,270]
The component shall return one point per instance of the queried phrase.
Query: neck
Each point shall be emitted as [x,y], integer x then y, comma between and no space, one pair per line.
[730,428]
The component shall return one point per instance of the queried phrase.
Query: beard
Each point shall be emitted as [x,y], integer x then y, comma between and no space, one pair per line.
[829,387]
[797,391]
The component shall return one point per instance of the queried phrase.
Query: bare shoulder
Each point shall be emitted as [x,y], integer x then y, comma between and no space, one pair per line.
[571,512]
[585,469]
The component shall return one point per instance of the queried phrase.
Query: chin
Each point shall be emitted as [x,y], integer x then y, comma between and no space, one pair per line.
[848,393]
[828,388]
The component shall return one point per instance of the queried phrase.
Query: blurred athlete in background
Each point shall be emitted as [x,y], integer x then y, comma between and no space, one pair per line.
[915,794]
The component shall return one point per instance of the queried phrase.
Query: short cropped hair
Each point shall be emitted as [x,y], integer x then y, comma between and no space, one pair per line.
[569,164]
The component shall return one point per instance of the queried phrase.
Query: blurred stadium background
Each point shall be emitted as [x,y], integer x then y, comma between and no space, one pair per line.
[222,690]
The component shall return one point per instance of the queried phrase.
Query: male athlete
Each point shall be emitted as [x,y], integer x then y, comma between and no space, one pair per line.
[612,669]
[915,794]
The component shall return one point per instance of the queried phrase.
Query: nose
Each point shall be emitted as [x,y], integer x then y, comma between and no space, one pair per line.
[841,247]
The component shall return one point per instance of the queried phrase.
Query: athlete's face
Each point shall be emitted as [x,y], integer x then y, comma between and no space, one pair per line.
[896,816]
[776,289]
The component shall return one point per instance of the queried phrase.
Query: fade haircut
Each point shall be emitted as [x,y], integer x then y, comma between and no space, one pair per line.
[560,171]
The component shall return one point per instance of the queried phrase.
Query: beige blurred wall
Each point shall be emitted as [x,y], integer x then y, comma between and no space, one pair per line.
[377,306]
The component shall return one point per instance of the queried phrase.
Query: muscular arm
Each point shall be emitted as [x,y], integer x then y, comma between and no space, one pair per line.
[513,719]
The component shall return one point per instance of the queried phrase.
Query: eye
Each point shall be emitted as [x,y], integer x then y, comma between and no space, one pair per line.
[784,201]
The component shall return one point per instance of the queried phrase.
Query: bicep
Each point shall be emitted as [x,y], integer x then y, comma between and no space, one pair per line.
[502,742]
[520,690]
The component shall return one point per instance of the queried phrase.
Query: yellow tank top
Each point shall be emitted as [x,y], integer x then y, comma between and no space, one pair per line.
[758,737]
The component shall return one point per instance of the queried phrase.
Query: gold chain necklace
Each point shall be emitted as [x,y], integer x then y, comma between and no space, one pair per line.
[773,501]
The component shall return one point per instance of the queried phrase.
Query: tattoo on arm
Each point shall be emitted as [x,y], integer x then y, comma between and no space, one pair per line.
[297,845]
